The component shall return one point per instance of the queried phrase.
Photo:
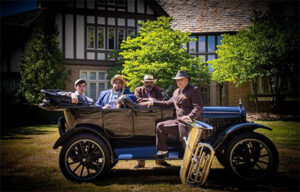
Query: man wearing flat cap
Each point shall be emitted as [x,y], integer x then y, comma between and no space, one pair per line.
[78,95]
[188,105]
[109,98]
[149,92]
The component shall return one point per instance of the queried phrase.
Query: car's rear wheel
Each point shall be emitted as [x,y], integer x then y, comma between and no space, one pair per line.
[84,158]
[113,164]
[251,156]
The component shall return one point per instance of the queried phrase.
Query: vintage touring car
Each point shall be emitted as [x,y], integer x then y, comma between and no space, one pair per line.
[93,140]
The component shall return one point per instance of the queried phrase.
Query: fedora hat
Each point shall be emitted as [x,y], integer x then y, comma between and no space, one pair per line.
[180,75]
[148,78]
[79,81]
[120,77]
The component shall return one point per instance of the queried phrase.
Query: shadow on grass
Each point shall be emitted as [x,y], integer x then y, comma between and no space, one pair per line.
[20,132]
[20,181]
[218,179]
[155,175]
[221,179]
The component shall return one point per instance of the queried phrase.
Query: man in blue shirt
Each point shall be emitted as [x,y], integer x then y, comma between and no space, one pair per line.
[110,98]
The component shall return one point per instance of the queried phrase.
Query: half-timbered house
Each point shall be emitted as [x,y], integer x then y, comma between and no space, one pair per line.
[90,29]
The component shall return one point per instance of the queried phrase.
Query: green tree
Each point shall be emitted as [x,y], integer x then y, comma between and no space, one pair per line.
[158,50]
[268,48]
[42,64]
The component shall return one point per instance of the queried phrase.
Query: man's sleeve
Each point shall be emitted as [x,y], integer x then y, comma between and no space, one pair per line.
[127,91]
[91,100]
[99,102]
[137,93]
[169,103]
[130,95]
[64,93]
[197,103]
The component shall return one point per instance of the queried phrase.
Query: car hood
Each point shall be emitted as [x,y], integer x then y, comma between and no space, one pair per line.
[224,112]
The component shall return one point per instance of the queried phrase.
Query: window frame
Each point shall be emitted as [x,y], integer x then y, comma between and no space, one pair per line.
[97,81]
[110,5]
[118,37]
[87,36]
[207,53]
[108,28]
[205,35]
[104,42]
[104,25]
[260,91]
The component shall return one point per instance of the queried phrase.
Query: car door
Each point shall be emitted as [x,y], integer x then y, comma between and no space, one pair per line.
[145,120]
[118,122]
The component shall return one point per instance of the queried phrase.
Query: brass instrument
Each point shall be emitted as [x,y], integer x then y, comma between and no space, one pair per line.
[198,156]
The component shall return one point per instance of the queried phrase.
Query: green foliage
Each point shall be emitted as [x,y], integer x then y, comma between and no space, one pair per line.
[42,64]
[269,47]
[157,50]
[236,59]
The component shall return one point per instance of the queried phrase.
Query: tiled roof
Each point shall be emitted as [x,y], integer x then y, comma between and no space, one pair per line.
[200,16]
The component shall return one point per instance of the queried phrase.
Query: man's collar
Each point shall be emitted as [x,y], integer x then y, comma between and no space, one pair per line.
[112,90]
[185,88]
[76,93]
[149,90]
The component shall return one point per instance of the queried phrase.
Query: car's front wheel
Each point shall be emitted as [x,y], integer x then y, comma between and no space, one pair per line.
[84,158]
[251,156]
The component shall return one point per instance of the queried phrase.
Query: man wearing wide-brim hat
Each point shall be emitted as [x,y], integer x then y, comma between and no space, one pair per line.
[149,92]
[109,98]
[188,104]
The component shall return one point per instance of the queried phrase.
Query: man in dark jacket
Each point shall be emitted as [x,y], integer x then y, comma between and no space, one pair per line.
[188,104]
[149,92]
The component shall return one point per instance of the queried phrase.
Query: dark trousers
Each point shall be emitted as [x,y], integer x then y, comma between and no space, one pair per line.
[172,127]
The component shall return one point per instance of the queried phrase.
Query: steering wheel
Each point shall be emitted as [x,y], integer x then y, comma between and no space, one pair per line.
[166,92]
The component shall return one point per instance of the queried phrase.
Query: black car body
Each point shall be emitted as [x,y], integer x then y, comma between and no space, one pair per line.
[129,134]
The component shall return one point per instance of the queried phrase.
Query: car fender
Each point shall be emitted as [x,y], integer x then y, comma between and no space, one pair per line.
[83,128]
[233,130]
[61,125]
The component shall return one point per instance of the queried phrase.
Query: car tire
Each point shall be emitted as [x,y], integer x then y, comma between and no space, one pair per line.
[84,158]
[251,156]
[113,164]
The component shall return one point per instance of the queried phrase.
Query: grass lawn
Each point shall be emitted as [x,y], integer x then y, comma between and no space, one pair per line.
[28,163]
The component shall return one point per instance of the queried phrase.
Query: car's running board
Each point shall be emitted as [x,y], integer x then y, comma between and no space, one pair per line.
[172,155]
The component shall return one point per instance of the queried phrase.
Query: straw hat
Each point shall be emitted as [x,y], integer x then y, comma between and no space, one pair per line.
[148,78]
[120,77]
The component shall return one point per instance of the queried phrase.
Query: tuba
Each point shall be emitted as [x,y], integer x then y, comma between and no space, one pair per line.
[198,156]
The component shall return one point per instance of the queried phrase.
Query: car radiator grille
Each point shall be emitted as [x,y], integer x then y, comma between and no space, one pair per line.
[219,125]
